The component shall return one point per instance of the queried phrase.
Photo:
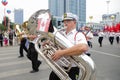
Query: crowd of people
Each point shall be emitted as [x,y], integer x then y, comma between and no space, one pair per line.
[6,38]
[112,33]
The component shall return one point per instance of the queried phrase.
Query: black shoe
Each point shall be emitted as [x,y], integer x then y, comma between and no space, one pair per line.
[39,63]
[20,56]
[88,54]
[33,71]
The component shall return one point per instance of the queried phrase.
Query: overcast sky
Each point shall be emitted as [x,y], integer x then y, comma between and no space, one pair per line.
[94,8]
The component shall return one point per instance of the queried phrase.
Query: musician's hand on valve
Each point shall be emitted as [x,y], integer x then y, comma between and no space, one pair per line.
[57,55]
[45,42]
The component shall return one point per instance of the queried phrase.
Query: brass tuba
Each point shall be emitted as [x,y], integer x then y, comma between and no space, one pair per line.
[20,30]
[17,29]
[50,42]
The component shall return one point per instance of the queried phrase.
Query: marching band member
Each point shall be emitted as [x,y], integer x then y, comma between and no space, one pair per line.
[22,44]
[80,45]
[111,37]
[100,38]
[117,34]
[33,54]
[89,35]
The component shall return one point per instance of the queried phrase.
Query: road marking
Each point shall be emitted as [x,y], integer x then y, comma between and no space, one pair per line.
[7,54]
[14,72]
[7,58]
[6,51]
[13,63]
[106,53]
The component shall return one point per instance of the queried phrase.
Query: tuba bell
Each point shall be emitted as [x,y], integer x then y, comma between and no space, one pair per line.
[50,42]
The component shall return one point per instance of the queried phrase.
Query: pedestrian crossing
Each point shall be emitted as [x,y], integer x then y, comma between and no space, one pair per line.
[14,68]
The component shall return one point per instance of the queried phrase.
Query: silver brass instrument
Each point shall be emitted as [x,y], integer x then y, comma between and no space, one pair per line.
[50,42]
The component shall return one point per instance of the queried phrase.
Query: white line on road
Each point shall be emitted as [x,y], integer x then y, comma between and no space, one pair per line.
[13,63]
[7,58]
[106,53]
[8,51]
[14,72]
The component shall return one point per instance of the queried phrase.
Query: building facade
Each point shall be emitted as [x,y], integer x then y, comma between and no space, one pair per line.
[59,7]
[109,19]
[18,16]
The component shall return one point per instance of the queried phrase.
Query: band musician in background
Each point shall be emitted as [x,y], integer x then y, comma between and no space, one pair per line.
[89,36]
[22,44]
[33,54]
[100,38]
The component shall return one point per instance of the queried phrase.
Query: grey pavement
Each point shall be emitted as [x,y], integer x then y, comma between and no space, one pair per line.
[14,68]
[106,58]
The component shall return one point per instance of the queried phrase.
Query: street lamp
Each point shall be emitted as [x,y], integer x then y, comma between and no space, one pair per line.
[112,17]
[90,17]
[108,1]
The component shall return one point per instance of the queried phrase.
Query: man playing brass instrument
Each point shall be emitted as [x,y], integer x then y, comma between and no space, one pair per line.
[80,45]
[33,54]
[23,41]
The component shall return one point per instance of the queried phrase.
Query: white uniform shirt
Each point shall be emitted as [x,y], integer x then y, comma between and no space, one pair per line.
[24,35]
[101,34]
[75,37]
[111,34]
[117,34]
[88,34]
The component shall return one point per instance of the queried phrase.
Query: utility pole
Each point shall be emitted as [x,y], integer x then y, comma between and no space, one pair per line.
[108,1]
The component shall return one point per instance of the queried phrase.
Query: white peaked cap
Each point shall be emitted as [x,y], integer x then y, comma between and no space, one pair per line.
[69,16]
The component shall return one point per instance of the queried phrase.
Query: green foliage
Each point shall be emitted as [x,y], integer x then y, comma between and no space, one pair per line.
[12,25]
[2,27]
[5,21]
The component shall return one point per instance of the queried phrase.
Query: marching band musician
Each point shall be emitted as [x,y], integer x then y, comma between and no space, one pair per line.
[80,45]
[33,54]
[22,43]
[89,36]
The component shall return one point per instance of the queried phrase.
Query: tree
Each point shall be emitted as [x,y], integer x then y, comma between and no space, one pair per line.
[2,27]
[5,21]
[12,25]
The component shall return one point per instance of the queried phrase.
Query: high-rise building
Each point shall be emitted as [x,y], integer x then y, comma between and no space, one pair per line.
[18,16]
[59,7]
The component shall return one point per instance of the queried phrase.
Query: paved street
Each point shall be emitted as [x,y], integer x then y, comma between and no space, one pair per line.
[14,68]
[107,59]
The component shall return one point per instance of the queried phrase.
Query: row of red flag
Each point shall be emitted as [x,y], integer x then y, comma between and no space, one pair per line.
[113,28]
